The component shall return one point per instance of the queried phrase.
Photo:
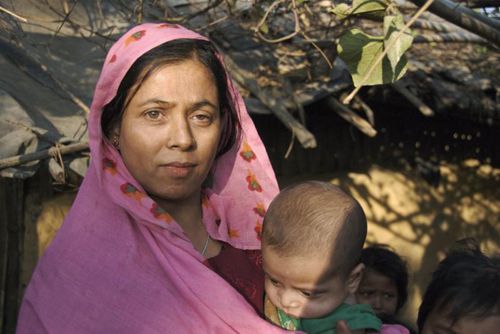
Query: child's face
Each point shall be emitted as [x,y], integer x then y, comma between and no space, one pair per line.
[378,291]
[437,322]
[297,285]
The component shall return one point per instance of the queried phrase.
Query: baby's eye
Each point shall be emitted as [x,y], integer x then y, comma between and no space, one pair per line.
[273,281]
[308,294]
[388,296]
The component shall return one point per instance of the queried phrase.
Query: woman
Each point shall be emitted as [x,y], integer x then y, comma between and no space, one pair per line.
[163,234]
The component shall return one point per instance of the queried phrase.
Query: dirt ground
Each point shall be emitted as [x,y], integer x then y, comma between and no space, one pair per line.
[417,220]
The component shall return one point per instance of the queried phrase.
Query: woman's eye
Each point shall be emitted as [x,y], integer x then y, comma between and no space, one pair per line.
[153,114]
[203,118]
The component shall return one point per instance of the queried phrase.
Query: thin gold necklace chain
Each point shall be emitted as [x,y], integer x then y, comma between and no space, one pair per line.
[206,245]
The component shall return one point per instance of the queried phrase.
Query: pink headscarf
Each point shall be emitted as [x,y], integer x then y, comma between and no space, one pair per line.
[120,263]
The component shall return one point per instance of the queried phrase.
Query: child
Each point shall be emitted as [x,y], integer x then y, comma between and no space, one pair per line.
[385,283]
[313,234]
[464,294]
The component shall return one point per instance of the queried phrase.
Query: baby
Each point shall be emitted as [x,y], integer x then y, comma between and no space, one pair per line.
[313,234]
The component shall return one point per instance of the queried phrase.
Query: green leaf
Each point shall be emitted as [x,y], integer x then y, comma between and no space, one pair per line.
[359,50]
[341,11]
[368,6]
[264,28]
[392,26]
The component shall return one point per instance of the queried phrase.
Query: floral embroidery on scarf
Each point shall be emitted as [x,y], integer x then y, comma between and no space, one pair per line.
[109,166]
[233,233]
[253,184]
[258,229]
[112,60]
[159,213]
[135,37]
[205,202]
[168,25]
[131,191]
[260,210]
[247,153]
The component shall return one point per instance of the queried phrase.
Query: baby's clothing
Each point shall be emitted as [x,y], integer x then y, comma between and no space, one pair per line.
[357,316]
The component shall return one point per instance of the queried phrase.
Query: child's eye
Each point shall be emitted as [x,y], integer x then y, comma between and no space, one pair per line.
[273,281]
[388,296]
[307,294]
[366,293]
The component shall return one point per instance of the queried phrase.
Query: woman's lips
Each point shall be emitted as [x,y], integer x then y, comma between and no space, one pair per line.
[178,169]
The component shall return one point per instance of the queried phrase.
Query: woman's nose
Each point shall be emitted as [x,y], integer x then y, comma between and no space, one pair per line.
[180,135]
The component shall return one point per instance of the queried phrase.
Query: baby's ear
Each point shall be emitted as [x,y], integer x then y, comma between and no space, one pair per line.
[355,278]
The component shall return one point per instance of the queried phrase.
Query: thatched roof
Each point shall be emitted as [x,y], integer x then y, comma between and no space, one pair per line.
[50,64]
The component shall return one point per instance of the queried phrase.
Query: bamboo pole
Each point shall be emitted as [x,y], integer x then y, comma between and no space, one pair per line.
[466,18]
[25,158]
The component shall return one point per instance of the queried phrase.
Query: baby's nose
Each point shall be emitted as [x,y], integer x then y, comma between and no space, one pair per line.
[288,299]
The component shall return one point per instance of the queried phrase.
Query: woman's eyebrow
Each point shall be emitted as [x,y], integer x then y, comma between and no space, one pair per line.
[203,103]
[156,101]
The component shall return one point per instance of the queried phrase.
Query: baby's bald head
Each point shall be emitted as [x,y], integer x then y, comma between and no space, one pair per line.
[316,218]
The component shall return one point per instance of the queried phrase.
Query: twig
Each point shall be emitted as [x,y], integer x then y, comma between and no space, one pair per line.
[66,16]
[421,106]
[219,20]
[263,20]
[247,80]
[370,115]
[348,99]
[351,117]
[139,10]
[319,49]
[204,10]
[22,159]
[20,18]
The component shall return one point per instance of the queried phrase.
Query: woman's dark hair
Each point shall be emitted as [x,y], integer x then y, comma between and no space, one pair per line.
[384,261]
[175,52]
[466,282]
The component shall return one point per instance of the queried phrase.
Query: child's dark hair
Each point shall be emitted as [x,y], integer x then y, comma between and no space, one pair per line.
[386,262]
[466,282]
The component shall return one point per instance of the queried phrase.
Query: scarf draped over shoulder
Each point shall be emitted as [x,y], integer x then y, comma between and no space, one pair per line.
[120,263]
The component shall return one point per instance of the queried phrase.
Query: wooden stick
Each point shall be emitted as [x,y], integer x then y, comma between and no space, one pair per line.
[351,117]
[421,106]
[13,14]
[370,115]
[466,18]
[22,159]
[247,80]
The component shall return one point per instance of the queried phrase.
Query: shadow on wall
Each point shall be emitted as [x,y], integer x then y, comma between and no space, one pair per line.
[420,221]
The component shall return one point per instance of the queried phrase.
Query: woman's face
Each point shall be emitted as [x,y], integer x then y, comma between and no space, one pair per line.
[379,291]
[170,131]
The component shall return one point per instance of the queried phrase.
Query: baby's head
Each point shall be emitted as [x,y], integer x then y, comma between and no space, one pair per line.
[385,281]
[312,238]
[464,294]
